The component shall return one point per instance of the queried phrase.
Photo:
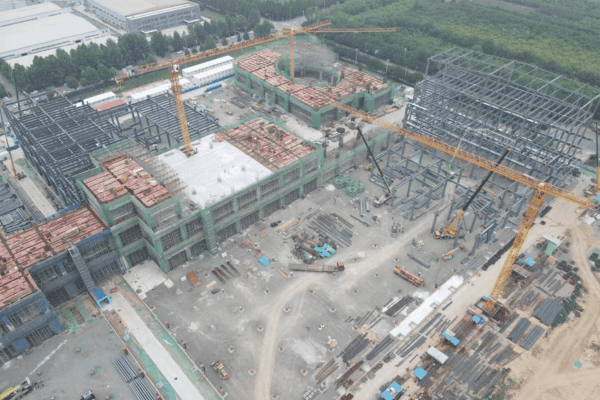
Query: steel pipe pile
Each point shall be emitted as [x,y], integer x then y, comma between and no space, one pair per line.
[125,369]
[140,390]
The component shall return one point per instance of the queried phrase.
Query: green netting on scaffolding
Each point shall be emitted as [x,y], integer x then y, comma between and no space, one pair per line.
[339,182]
[360,186]
[352,190]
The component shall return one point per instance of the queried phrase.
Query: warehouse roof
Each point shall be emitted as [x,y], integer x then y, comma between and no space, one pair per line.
[213,71]
[29,11]
[133,7]
[100,97]
[38,32]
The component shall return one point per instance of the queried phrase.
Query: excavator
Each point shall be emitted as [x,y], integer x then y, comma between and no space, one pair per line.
[449,255]
[451,231]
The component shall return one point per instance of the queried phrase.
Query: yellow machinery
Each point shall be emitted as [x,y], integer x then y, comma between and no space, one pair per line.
[541,190]
[449,255]
[176,88]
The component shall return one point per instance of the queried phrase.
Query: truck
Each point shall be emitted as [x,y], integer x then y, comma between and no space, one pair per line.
[17,392]
[220,368]
[415,280]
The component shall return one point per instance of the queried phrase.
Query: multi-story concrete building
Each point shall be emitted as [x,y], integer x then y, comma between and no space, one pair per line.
[45,266]
[238,176]
[263,74]
[145,16]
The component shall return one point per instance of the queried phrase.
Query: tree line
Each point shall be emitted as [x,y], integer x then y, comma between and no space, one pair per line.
[276,10]
[91,63]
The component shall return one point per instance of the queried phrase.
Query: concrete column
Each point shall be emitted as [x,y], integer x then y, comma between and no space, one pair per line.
[409,185]
[476,244]
[412,211]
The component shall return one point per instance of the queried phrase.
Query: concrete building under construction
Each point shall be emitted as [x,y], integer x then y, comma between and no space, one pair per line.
[263,74]
[45,266]
[172,208]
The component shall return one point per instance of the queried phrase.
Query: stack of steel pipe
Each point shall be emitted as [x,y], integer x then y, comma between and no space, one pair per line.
[140,390]
[386,342]
[125,369]
[355,347]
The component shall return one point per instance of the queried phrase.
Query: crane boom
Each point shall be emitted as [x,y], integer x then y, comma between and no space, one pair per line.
[452,229]
[351,30]
[532,211]
[542,189]
[505,171]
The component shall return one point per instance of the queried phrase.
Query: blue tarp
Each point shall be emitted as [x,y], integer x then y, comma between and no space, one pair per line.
[387,395]
[477,320]
[264,261]
[529,262]
[420,373]
[452,339]
[598,199]
[396,387]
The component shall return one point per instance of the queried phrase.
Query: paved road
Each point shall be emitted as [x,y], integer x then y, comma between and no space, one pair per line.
[160,356]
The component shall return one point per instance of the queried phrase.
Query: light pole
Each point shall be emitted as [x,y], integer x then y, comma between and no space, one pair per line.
[355,56]
[145,62]
[386,66]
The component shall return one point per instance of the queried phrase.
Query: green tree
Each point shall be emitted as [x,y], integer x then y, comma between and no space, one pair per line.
[241,22]
[224,42]
[104,72]
[209,43]
[150,59]
[72,82]
[159,44]
[111,55]
[3,92]
[177,42]
[253,17]
[246,36]
[89,76]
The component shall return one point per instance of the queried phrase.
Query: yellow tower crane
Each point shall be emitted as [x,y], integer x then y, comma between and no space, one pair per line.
[541,190]
[173,64]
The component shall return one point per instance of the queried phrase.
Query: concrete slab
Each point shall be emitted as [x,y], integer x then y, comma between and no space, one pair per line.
[219,169]
[144,277]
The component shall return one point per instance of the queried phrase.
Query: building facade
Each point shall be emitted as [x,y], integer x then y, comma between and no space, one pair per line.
[45,266]
[145,16]
[175,229]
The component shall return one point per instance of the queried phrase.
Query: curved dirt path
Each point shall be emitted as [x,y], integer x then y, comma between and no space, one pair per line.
[552,375]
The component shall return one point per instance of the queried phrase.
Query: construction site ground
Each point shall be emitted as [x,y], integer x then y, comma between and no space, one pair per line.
[79,359]
[265,309]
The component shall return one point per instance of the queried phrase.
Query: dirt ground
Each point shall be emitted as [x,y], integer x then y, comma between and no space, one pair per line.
[549,373]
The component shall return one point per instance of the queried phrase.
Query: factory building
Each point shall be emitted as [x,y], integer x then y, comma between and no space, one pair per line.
[145,16]
[43,267]
[189,205]
[39,28]
[262,74]
[24,14]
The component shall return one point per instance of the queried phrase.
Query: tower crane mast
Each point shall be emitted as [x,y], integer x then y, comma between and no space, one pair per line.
[542,189]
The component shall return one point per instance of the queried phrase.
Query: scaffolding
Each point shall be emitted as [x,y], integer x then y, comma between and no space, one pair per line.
[484,104]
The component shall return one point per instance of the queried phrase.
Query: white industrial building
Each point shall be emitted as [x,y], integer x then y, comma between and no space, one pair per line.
[19,15]
[99,99]
[213,75]
[145,16]
[50,32]
[155,89]
[196,69]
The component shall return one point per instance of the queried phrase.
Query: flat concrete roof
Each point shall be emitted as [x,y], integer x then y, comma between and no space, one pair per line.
[27,60]
[218,170]
[24,12]
[133,7]
[37,32]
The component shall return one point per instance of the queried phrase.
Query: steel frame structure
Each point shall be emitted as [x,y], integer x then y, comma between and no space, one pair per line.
[57,138]
[159,121]
[484,104]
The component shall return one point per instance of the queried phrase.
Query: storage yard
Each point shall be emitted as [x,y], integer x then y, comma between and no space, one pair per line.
[306,232]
